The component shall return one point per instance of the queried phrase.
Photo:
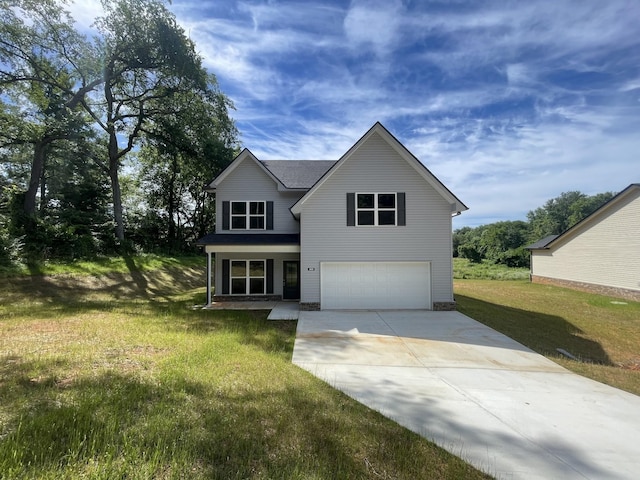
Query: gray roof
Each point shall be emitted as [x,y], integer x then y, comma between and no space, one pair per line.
[301,174]
[540,244]
[250,239]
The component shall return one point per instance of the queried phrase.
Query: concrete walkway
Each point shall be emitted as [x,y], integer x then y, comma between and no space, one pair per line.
[477,393]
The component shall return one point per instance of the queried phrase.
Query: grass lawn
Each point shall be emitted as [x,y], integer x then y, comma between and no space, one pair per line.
[602,332]
[117,376]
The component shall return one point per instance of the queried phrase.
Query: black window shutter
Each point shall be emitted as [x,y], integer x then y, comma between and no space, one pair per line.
[402,215]
[351,209]
[225,277]
[269,275]
[226,214]
[269,215]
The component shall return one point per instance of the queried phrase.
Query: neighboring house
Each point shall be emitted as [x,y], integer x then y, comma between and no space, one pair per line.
[599,254]
[370,231]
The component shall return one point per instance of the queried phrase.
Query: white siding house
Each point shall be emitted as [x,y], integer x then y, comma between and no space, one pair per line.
[370,230]
[601,253]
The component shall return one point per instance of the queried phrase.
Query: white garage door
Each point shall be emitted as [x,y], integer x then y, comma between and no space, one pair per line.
[375,285]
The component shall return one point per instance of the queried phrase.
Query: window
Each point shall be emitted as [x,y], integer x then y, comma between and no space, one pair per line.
[376,209]
[247,277]
[248,215]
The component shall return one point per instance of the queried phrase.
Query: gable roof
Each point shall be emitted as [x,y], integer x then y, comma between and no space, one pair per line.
[551,240]
[540,244]
[298,174]
[288,174]
[245,154]
[457,205]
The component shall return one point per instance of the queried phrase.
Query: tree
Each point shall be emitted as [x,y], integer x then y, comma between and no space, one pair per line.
[38,51]
[502,237]
[562,212]
[182,152]
[147,59]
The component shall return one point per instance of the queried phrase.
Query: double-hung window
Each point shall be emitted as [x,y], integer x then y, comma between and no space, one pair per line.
[247,277]
[248,215]
[376,209]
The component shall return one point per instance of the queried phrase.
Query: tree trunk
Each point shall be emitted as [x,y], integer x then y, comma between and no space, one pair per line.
[43,190]
[171,210]
[37,167]
[117,202]
[114,164]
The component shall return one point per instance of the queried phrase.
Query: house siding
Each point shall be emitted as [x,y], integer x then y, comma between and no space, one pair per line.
[248,181]
[605,251]
[376,167]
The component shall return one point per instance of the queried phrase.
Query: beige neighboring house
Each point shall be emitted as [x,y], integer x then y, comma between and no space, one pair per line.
[600,254]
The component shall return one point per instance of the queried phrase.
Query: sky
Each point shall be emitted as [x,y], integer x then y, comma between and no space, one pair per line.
[508,103]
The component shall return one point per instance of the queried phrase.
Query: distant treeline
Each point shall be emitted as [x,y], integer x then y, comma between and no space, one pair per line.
[504,242]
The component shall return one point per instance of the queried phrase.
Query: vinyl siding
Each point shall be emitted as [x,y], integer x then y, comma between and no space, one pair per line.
[278,258]
[249,182]
[605,251]
[377,168]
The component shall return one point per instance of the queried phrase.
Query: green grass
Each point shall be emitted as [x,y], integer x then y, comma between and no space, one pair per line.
[601,332]
[118,376]
[101,266]
[464,269]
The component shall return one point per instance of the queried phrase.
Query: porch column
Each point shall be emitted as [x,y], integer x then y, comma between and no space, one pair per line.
[209,273]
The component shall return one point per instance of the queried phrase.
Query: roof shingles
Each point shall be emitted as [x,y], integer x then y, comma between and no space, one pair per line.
[298,174]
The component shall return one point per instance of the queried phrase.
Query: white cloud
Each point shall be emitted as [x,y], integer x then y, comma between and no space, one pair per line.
[473,90]
[84,12]
[373,24]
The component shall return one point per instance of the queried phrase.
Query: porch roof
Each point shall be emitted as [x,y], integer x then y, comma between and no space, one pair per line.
[251,242]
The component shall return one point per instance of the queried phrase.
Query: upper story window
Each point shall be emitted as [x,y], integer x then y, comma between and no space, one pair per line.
[376,209]
[248,215]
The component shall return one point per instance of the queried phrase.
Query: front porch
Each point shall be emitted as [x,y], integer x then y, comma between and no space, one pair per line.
[252,269]
[279,310]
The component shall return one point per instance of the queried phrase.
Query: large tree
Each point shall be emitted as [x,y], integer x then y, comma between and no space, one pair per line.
[562,212]
[182,152]
[147,60]
[39,78]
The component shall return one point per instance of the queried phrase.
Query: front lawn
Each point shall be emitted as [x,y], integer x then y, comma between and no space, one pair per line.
[117,376]
[602,332]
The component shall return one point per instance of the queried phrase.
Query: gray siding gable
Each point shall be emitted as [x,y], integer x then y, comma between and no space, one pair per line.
[249,181]
[378,129]
[376,166]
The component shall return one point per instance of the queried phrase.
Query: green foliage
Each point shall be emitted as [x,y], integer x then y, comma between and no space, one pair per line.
[485,270]
[139,78]
[470,251]
[561,213]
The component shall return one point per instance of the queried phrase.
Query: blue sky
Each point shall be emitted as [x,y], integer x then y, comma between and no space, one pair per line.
[507,103]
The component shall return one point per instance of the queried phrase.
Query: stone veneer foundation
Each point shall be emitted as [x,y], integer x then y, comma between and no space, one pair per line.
[437,306]
[625,293]
[310,307]
[444,306]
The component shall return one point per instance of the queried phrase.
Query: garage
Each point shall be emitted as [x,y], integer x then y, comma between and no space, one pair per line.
[375,285]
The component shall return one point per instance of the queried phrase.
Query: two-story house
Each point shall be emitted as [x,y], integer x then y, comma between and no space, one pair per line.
[369,231]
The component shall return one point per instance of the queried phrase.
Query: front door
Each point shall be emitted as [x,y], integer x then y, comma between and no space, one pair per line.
[291,280]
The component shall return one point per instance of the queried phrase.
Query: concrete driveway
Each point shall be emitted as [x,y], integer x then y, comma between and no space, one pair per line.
[475,392]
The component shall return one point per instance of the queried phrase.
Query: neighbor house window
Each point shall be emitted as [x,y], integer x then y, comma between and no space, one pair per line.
[247,277]
[376,209]
[248,215]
